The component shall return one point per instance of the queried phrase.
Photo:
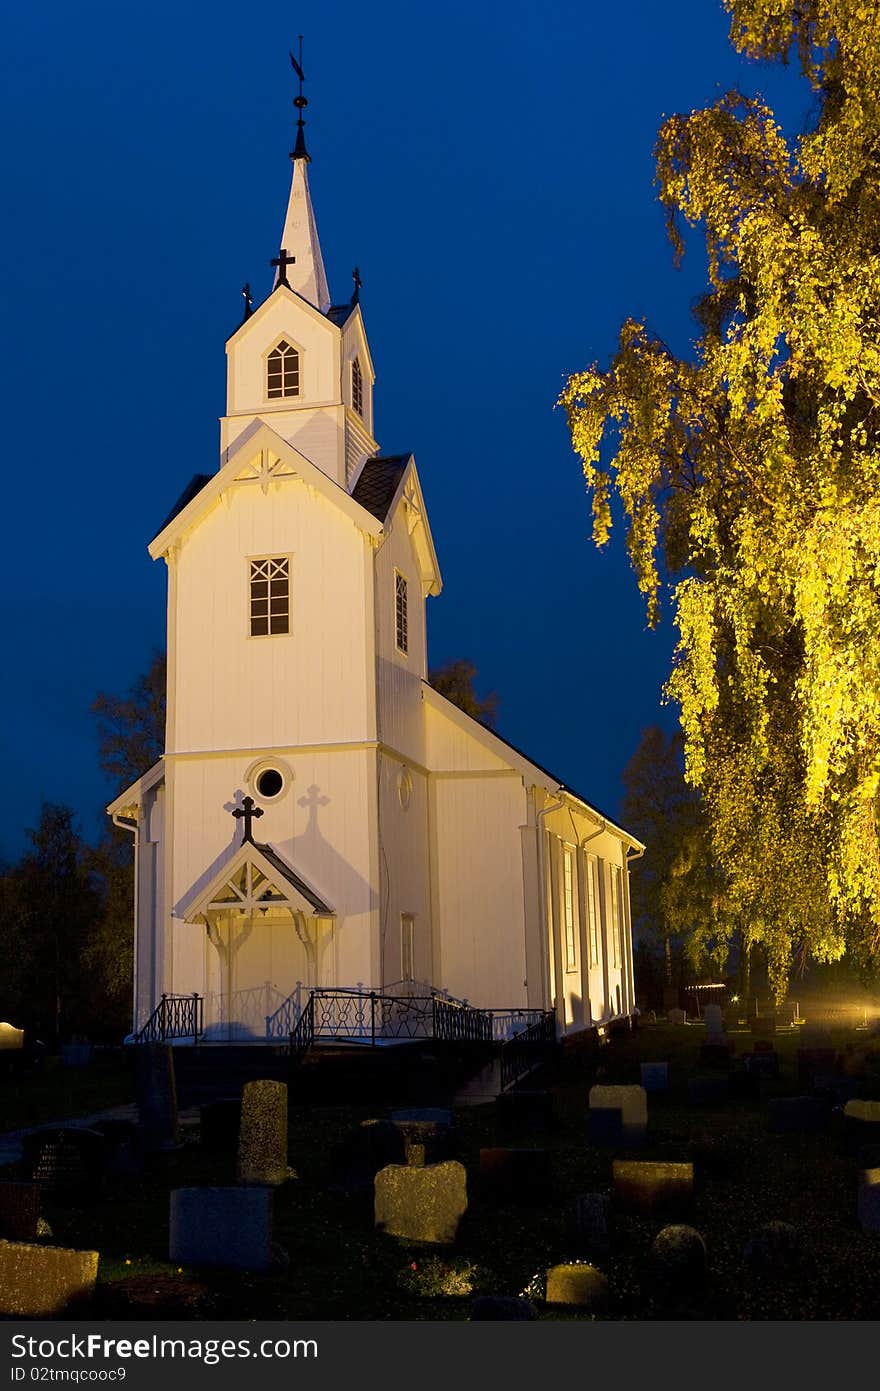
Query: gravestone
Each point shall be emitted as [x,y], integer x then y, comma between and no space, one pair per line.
[222,1227]
[262,1141]
[156,1093]
[593,1225]
[515,1175]
[122,1146]
[577,1284]
[632,1105]
[525,1110]
[11,1037]
[220,1123]
[865,1116]
[424,1205]
[708,1091]
[499,1306]
[652,1185]
[790,1115]
[774,1249]
[678,1255]
[373,1146]
[650,1017]
[45,1281]
[869,1200]
[678,1016]
[713,1018]
[19,1210]
[68,1162]
[654,1076]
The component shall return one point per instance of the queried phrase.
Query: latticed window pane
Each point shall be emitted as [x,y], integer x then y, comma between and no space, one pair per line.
[270,596]
[357,387]
[400,614]
[282,371]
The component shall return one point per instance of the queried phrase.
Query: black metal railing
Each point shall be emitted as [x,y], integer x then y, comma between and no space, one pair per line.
[175,1016]
[302,1035]
[526,1050]
[454,1023]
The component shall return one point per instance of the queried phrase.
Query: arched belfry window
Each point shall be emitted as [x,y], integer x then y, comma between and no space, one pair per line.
[357,387]
[282,371]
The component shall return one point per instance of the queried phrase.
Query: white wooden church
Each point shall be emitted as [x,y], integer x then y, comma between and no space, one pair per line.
[321,816]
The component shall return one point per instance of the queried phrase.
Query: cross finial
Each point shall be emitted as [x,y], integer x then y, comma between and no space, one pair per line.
[282,261]
[356,277]
[249,811]
[300,102]
[248,299]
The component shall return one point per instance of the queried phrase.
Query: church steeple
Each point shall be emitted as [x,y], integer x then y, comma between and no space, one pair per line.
[300,235]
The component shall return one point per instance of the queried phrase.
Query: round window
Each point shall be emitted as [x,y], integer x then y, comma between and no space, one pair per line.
[269,782]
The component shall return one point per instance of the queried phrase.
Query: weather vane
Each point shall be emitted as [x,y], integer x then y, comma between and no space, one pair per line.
[300,102]
[356,277]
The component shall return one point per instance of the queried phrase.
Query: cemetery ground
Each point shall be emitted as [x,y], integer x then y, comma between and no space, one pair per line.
[331,1263]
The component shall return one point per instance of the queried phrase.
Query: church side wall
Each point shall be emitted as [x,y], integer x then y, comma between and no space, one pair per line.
[479,872]
[400,675]
[404,867]
[311,686]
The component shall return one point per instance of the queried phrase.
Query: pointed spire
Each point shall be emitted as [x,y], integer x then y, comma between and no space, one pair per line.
[300,235]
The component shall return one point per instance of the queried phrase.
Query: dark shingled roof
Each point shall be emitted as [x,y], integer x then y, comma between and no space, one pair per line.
[292,878]
[192,489]
[378,482]
[339,313]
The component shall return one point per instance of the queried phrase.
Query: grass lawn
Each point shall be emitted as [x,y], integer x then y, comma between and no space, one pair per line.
[52,1092]
[340,1268]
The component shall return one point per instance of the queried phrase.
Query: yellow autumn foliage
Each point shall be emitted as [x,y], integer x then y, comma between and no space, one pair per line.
[749,477]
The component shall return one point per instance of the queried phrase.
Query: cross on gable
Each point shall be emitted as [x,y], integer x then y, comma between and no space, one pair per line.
[249,811]
[282,261]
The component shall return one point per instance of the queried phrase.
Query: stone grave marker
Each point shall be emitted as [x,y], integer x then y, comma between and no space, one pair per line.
[869,1200]
[713,1018]
[790,1115]
[774,1249]
[654,1076]
[433,1138]
[122,1146]
[156,1093]
[222,1227]
[421,1204]
[678,1016]
[520,1176]
[19,1210]
[577,1284]
[592,1227]
[652,1185]
[68,1162]
[496,1307]
[631,1103]
[262,1141]
[45,1282]
[678,1254]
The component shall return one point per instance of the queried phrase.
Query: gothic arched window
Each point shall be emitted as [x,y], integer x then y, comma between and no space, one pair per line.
[282,371]
[357,387]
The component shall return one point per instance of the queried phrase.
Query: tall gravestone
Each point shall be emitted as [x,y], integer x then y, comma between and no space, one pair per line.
[262,1140]
[156,1093]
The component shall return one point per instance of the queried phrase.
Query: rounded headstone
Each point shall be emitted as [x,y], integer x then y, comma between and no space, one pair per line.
[679,1256]
[579,1284]
[773,1249]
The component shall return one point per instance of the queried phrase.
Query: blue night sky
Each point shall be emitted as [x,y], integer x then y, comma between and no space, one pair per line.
[488,167]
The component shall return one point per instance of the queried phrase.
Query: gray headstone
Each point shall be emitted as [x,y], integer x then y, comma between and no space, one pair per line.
[156,1092]
[45,1281]
[421,1204]
[580,1285]
[713,1018]
[632,1102]
[262,1141]
[678,1016]
[19,1211]
[652,1185]
[593,1225]
[224,1227]
[679,1257]
[654,1076]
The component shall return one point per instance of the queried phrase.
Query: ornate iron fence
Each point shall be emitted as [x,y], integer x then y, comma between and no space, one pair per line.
[525,1050]
[507,1023]
[453,1023]
[175,1016]
[302,1035]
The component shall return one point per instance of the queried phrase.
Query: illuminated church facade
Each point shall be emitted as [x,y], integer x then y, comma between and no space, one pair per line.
[322,817]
